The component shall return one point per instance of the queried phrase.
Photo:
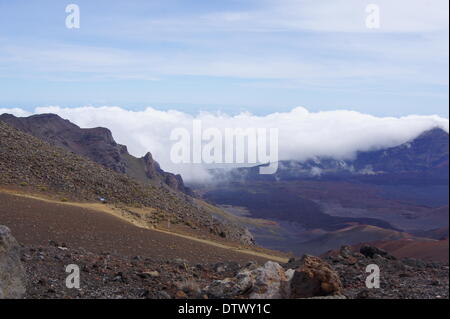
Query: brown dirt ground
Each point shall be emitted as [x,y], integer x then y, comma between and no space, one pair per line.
[36,222]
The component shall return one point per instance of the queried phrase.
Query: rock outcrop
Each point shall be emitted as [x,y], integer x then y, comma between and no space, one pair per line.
[12,274]
[371,252]
[267,282]
[314,277]
[154,172]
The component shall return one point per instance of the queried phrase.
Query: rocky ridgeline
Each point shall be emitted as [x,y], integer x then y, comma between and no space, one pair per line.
[98,145]
[30,162]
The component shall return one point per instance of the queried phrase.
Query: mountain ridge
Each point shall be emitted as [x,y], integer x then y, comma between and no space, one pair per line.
[32,164]
[98,145]
[424,159]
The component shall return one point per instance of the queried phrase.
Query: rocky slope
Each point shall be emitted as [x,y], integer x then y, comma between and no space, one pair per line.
[336,277]
[340,275]
[30,163]
[98,229]
[405,278]
[98,145]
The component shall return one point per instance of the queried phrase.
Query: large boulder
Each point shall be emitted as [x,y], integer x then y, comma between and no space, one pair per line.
[271,282]
[314,277]
[12,274]
[267,282]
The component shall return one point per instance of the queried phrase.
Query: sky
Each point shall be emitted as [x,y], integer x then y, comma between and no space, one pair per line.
[258,56]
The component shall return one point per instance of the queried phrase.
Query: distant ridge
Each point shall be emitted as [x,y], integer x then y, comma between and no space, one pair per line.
[388,194]
[424,160]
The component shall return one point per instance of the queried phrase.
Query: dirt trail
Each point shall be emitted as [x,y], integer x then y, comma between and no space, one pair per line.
[100,227]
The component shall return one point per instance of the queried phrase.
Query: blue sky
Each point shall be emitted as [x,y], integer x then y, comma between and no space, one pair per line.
[261,56]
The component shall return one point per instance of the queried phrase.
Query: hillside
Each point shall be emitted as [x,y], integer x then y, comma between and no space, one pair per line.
[37,222]
[349,236]
[430,250]
[29,163]
[98,145]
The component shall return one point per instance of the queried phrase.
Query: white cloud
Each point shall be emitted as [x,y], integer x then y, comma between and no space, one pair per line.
[302,134]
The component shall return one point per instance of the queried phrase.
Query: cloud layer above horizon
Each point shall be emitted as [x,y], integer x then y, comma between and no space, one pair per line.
[302,134]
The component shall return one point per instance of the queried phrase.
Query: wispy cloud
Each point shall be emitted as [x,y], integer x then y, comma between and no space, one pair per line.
[277,44]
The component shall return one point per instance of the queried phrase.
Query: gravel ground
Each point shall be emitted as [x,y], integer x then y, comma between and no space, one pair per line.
[117,277]
[399,278]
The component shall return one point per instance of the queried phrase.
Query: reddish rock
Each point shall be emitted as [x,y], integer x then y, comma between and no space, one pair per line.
[313,278]
[180,295]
